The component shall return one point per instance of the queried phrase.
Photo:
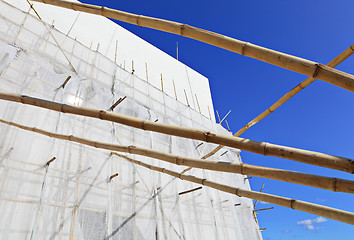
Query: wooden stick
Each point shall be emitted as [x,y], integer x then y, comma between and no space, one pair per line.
[65,82]
[324,211]
[161,82]
[189,191]
[224,117]
[283,60]
[328,183]
[300,155]
[255,203]
[209,112]
[174,88]
[186,97]
[115,54]
[147,75]
[116,103]
[133,67]
[263,209]
[227,124]
[337,60]
[197,102]
[51,34]
[113,176]
[50,161]
[217,113]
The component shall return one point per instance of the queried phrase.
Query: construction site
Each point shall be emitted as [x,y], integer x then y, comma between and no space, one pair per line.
[105,136]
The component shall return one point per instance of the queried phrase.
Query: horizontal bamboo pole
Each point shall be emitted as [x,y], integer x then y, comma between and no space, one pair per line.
[328,183]
[283,60]
[310,157]
[324,211]
[337,60]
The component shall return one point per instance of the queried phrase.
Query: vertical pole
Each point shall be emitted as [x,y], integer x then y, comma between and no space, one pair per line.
[147,75]
[186,97]
[115,55]
[174,87]
[161,82]
[217,113]
[197,102]
[209,112]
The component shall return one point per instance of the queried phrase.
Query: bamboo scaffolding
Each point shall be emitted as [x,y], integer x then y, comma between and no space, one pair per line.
[324,211]
[51,34]
[283,60]
[337,60]
[300,155]
[224,117]
[328,183]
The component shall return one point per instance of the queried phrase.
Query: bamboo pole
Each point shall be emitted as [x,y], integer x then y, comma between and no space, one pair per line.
[328,183]
[51,34]
[147,75]
[283,60]
[174,88]
[300,155]
[337,60]
[161,83]
[197,102]
[324,211]
[185,93]
[224,117]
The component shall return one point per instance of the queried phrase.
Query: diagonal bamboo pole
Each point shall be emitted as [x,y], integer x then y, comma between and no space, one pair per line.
[283,60]
[337,60]
[324,211]
[305,156]
[328,183]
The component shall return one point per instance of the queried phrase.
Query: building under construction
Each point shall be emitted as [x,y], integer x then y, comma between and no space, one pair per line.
[104,136]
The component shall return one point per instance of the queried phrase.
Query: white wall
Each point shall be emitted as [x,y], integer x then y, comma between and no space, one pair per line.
[93,30]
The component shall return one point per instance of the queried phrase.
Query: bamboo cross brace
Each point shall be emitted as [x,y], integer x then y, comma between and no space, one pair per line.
[300,155]
[51,34]
[324,211]
[224,117]
[337,60]
[280,59]
[328,183]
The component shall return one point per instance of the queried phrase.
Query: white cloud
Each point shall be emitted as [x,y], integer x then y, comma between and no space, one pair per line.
[310,223]
[319,220]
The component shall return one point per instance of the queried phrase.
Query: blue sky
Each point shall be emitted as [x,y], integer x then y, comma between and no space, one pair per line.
[319,118]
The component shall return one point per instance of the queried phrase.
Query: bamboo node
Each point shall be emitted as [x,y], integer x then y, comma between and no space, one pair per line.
[209,134]
[241,168]
[100,114]
[138,22]
[291,203]
[243,48]
[335,180]
[70,137]
[178,160]
[264,149]
[130,148]
[351,47]
[318,68]
[22,98]
[182,28]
